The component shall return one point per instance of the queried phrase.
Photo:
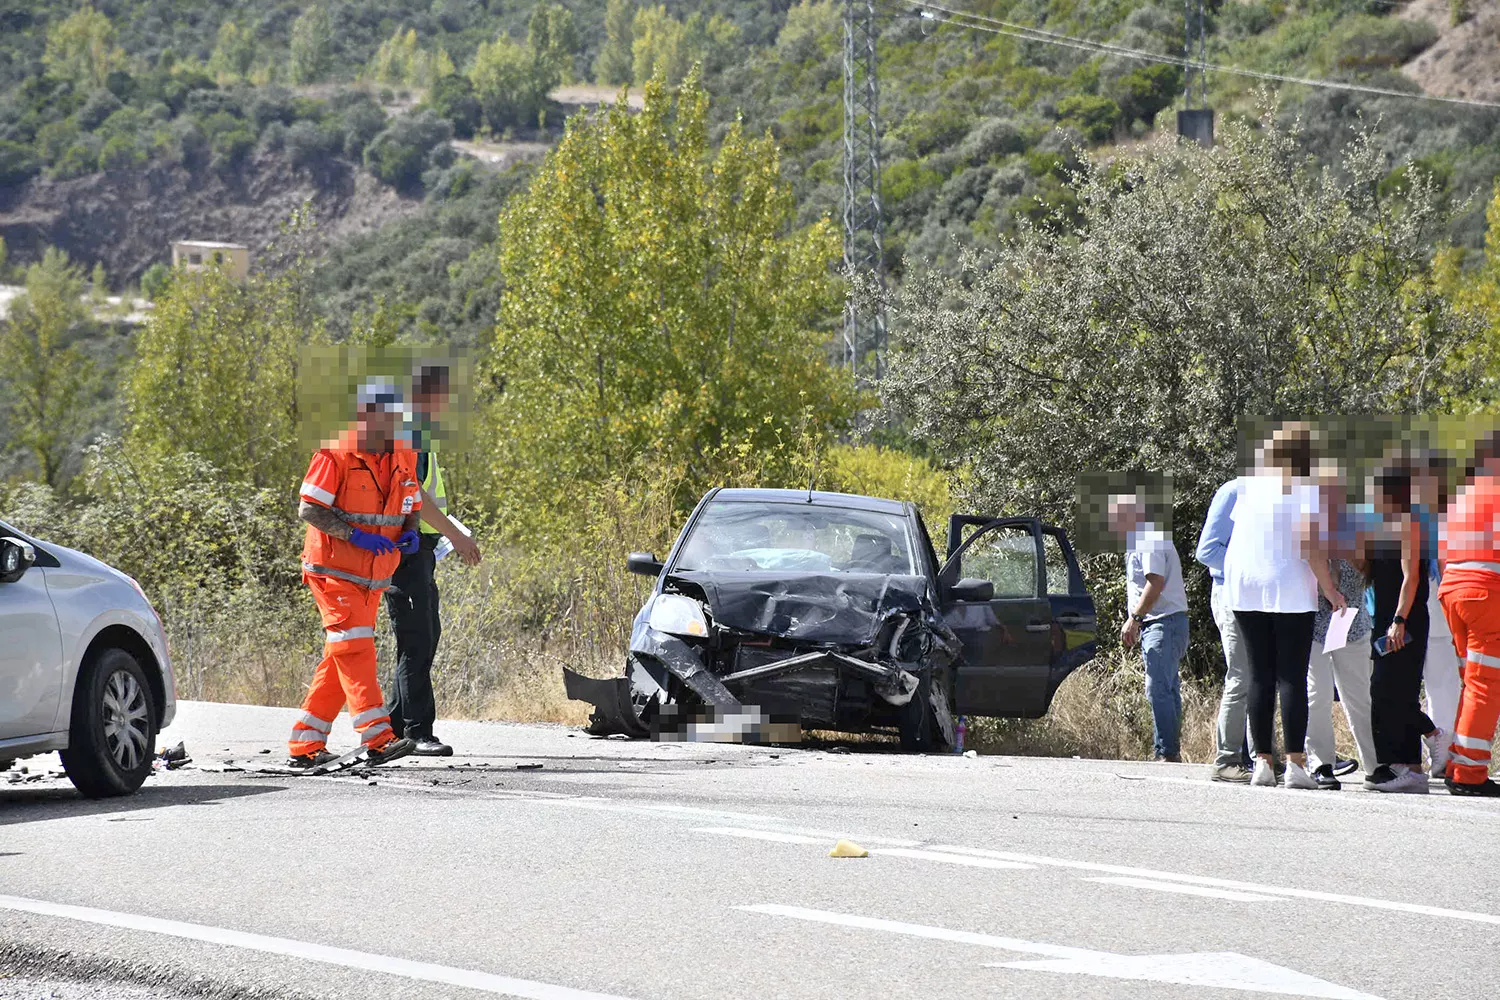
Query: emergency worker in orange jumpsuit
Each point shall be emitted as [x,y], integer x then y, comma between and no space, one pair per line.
[360,500]
[1470,595]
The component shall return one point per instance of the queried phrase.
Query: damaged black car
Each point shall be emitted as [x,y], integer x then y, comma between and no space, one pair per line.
[783,610]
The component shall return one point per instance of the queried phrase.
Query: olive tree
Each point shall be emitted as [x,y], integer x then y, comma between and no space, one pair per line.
[1193,288]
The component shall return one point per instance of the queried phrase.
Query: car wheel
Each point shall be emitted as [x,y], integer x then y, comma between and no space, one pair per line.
[112,738]
[918,724]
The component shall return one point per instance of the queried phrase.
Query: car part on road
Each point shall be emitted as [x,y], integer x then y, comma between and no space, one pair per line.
[326,763]
[113,736]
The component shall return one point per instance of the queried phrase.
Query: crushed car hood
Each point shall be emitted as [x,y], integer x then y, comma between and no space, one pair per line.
[835,608]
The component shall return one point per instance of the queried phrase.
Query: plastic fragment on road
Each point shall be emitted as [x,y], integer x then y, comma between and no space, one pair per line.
[528,767]
[848,849]
[173,758]
[971,754]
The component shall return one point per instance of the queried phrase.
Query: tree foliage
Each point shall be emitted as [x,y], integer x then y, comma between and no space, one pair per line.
[512,80]
[1197,288]
[81,49]
[310,45]
[44,375]
[616,63]
[657,312]
[215,373]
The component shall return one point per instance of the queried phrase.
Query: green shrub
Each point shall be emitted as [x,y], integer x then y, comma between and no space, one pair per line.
[18,163]
[1365,43]
[399,154]
[1144,91]
[120,152]
[1093,116]
[155,280]
[453,98]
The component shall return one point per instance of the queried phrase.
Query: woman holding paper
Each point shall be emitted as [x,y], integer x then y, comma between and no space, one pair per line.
[1340,651]
[1398,577]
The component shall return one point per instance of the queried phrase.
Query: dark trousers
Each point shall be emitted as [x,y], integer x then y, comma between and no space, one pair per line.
[412,602]
[1279,645]
[1396,718]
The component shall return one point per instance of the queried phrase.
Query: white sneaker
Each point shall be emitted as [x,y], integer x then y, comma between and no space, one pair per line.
[1297,777]
[1439,750]
[1264,775]
[1406,780]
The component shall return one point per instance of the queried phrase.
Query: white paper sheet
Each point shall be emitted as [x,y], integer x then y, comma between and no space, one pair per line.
[444,547]
[1338,629]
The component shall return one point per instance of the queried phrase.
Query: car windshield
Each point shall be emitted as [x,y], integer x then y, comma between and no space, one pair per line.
[745,536]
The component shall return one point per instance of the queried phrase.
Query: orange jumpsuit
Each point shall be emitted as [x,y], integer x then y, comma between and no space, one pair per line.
[375,493]
[1470,595]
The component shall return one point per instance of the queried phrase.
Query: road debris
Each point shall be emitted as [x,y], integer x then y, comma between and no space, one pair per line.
[848,849]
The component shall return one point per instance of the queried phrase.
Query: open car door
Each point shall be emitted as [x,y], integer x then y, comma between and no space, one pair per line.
[1007,639]
[1037,627]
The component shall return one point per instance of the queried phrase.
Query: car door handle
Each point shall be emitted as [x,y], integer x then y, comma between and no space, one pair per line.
[1039,626]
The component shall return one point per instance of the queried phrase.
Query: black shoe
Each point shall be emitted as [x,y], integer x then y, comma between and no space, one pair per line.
[430,746]
[1486,789]
[1323,775]
[307,761]
[1345,765]
[393,750]
[1380,776]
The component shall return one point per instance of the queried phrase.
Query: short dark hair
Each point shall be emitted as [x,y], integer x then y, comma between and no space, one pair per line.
[1393,483]
[1291,449]
[430,380]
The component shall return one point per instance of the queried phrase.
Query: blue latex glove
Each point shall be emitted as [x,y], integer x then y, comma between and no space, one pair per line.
[408,542]
[377,544]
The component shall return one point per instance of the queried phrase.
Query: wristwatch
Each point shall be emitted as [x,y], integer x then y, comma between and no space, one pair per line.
[1139,619]
[1399,619]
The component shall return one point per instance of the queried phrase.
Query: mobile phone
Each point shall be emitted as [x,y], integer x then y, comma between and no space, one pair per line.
[1382,645]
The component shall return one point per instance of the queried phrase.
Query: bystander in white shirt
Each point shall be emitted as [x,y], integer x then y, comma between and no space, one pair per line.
[1150,550]
[1264,565]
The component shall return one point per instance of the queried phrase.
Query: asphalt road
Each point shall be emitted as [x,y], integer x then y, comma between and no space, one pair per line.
[541,863]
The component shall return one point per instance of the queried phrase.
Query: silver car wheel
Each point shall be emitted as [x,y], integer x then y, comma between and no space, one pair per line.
[127,720]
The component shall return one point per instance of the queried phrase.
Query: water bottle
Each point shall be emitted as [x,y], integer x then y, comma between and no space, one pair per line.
[958,735]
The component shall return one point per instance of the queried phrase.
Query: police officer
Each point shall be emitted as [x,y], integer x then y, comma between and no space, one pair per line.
[412,599]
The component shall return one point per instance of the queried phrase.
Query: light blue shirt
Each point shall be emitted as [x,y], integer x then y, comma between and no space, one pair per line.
[1213,541]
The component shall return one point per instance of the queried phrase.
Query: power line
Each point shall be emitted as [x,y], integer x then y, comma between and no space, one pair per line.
[995,26]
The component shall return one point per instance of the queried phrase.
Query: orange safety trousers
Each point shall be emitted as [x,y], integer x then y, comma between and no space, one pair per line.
[1471,603]
[347,671]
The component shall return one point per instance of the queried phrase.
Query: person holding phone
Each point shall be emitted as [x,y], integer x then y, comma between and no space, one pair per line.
[1398,576]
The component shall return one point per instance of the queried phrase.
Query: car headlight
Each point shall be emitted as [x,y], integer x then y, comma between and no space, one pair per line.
[678,615]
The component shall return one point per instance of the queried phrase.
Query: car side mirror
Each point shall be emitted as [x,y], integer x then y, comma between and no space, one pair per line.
[16,557]
[643,564]
[971,589]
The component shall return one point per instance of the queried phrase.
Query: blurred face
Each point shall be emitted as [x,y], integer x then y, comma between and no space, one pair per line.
[376,430]
[430,404]
[1124,516]
[1425,490]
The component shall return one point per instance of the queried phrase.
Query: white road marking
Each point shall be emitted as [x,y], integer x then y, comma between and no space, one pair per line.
[896,848]
[1224,970]
[903,852]
[1184,889]
[1224,883]
[425,971]
[782,838]
[801,835]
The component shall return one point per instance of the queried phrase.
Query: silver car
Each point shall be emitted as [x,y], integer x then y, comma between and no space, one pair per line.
[83,666]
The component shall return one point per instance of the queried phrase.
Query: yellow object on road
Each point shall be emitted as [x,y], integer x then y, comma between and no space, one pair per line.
[848,849]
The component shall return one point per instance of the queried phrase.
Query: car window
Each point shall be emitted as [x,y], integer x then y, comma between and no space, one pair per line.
[1006,556]
[1058,580]
[749,536]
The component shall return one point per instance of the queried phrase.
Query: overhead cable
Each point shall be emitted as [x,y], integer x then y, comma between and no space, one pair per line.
[995,26]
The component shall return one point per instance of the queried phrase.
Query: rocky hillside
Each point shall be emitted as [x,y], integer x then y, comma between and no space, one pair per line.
[1465,59]
[126,219]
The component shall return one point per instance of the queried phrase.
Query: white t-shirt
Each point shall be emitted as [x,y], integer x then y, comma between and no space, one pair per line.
[1149,550]
[1263,566]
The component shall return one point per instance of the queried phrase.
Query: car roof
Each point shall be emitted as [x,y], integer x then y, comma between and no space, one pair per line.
[818,498]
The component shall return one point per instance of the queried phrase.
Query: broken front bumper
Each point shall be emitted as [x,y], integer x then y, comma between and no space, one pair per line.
[637,704]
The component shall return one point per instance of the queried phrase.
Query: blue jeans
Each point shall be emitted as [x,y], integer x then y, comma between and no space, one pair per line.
[1164,643]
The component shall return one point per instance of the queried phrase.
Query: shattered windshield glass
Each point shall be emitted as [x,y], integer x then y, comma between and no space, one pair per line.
[746,536]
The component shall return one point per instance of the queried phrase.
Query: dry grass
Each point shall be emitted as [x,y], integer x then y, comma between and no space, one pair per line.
[1101,713]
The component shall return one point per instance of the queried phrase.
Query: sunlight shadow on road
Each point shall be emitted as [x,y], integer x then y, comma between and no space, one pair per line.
[27,805]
